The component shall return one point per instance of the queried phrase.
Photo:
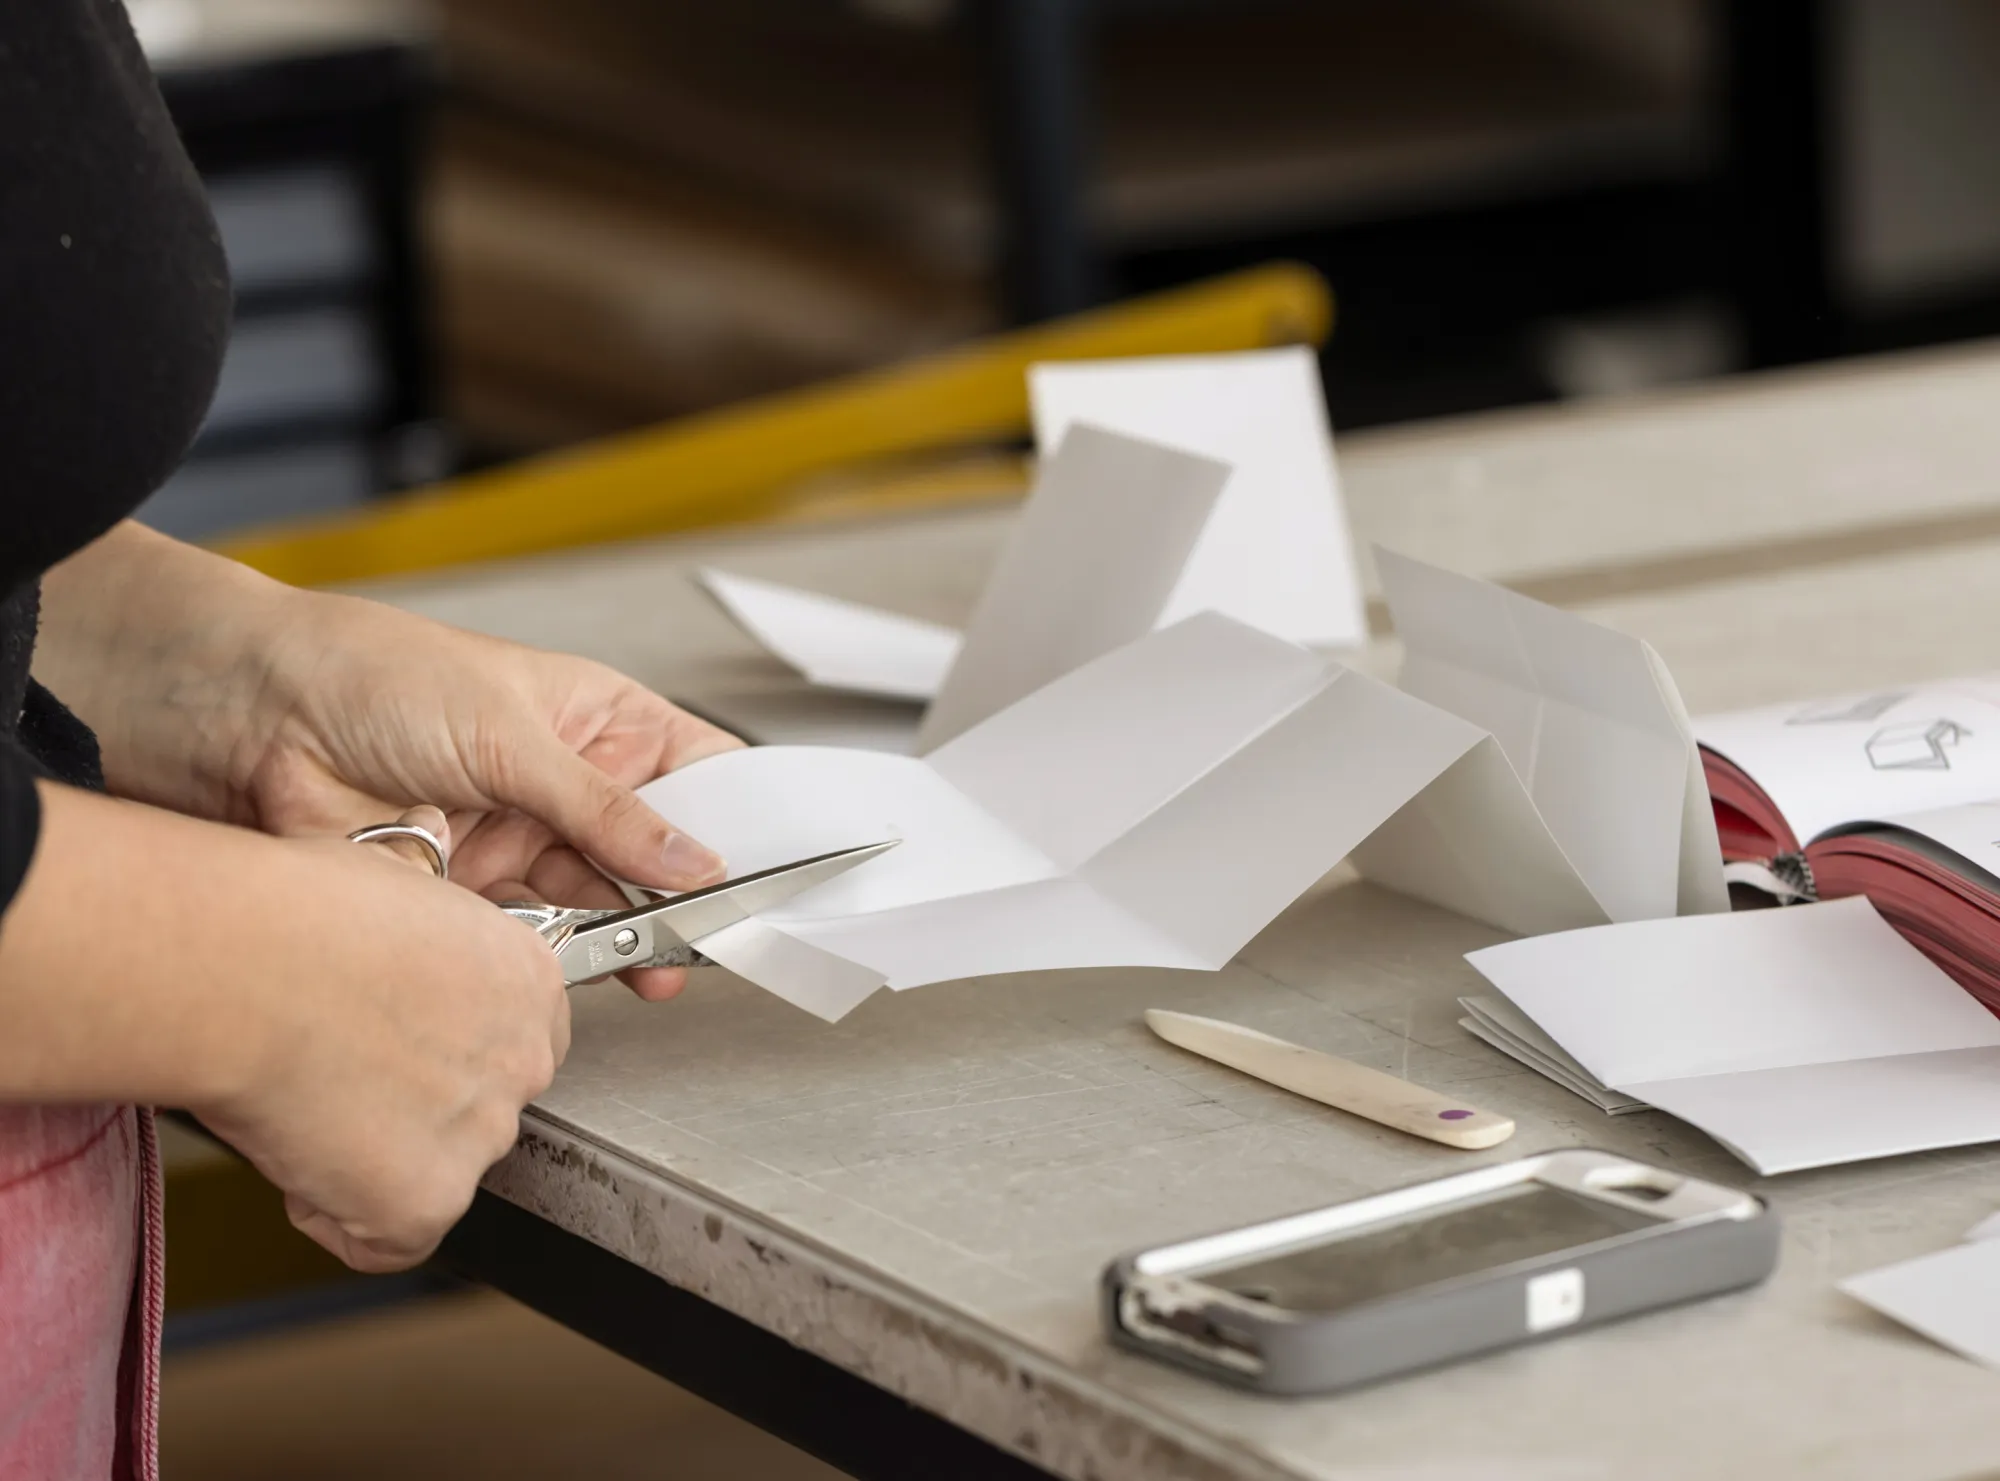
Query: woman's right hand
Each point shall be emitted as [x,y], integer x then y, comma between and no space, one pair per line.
[365,1034]
[398,1078]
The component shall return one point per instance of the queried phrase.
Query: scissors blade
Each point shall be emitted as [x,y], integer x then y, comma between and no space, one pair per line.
[646,933]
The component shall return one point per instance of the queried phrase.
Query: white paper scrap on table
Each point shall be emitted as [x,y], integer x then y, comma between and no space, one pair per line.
[1156,807]
[1797,1038]
[1951,1296]
[1088,567]
[838,644]
[1278,554]
[1592,722]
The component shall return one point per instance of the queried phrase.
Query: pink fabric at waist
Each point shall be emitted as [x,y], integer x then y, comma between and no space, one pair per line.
[78,1366]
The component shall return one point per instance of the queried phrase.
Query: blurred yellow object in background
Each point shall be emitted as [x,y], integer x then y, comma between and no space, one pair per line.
[737,464]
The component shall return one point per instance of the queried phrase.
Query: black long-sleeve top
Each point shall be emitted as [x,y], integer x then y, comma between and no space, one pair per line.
[114,309]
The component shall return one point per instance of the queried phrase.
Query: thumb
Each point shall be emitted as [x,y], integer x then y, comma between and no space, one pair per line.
[608,824]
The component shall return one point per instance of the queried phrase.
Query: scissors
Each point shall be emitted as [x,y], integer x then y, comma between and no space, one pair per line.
[592,943]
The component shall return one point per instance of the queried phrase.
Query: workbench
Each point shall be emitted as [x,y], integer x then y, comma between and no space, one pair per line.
[882,1238]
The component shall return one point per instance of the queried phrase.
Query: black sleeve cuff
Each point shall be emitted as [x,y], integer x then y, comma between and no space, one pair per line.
[20,821]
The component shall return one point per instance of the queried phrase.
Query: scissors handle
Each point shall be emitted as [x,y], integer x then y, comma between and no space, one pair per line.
[558,925]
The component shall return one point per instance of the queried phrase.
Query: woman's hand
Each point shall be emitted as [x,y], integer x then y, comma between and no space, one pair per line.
[533,755]
[222,694]
[366,1035]
[377,1117]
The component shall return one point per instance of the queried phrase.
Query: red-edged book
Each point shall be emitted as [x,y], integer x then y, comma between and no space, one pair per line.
[1893,794]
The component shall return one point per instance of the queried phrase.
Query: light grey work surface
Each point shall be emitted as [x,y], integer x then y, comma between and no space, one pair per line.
[926,1192]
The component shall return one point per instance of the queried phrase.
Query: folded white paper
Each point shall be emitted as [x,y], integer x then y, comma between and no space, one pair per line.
[837,644]
[1277,555]
[1089,566]
[1097,552]
[1156,807]
[1513,1033]
[1797,1038]
[1951,1297]
[1592,722]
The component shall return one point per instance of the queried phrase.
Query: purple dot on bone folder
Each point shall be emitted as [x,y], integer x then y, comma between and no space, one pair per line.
[1453,1115]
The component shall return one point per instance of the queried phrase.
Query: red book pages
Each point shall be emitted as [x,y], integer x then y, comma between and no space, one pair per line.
[1952,919]
[1950,916]
[1749,822]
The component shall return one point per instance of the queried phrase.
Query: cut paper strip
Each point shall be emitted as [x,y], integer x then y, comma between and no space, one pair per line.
[1278,554]
[1797,1038]
[1155,807]
[838,644]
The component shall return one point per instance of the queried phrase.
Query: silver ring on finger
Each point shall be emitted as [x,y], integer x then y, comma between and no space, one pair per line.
[386,832]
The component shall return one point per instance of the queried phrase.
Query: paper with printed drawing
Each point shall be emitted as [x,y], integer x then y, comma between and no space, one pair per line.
[837,644]
[1155,807]
[1898,749]
[1797,1038]
[1951,1296]
[1278,554]
[1590,719]
[1088,567]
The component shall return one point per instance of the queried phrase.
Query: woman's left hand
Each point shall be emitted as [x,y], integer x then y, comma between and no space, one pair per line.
[309,713]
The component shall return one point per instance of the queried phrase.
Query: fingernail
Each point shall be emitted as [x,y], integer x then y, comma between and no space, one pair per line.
[689,864]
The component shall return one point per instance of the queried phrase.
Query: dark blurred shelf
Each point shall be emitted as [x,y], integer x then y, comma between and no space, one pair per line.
[305,120]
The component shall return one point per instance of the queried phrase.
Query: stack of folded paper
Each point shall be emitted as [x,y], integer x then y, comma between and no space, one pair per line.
[1796,1038]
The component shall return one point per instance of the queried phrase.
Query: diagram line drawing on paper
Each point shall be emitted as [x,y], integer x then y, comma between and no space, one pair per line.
[1849,711]
[1915,745]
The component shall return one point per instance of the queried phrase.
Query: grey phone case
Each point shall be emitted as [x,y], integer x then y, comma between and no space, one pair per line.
[1280,1352]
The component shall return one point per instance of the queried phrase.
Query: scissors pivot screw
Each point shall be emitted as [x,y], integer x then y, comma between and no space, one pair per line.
[625,942]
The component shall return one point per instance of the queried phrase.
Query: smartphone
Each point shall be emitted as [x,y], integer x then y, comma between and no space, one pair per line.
[1517,1252]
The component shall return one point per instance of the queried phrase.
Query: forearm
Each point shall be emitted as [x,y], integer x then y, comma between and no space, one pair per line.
[160,648]
[136,958]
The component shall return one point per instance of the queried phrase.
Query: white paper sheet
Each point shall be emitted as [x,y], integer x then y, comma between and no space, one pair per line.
[1277,554]
[1899,749]
[1590,720]
[1156,807]
[837,644]
[1951,1297]
[1797,1037]
[1089,567]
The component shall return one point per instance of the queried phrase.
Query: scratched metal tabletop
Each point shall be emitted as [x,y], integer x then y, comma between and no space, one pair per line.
[924,1193]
